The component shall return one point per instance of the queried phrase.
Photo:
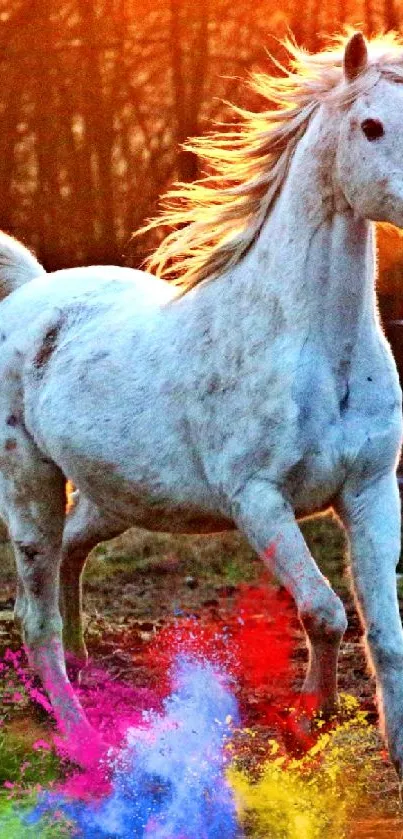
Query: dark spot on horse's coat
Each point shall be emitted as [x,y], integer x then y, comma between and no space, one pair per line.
[12,420]
[100,355]
[10,444]
[369,378]
[30,551]
[207,335]
[277,317]
[3,337]
[213,384]
[48,346]
[344,401]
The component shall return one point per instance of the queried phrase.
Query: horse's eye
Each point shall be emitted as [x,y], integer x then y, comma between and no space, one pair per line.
[373,129]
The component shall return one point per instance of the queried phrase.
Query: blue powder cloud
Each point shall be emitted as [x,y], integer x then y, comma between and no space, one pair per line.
[169,782]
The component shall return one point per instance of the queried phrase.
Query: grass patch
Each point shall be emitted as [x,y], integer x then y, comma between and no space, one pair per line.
[25,769]
[327,541]
[220,559]
[23,765]
[223,559]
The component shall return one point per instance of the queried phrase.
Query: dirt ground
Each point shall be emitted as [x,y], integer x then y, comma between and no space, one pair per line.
[137,587]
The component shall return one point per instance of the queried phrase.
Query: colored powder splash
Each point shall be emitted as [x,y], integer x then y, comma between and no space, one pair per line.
[111,707]
[309,798]
[179,771]
[312,797]
[254,642]
[169,781]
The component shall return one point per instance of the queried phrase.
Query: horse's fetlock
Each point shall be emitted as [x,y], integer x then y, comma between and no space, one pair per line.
[324,617]
[20,605]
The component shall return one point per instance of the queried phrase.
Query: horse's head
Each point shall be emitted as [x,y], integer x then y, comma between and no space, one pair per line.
[370,148]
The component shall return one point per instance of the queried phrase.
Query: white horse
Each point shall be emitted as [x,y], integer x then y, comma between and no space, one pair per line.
[265,391]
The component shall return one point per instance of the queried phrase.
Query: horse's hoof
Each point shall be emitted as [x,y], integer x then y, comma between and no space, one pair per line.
[87,752]
[298,734]
[74,667]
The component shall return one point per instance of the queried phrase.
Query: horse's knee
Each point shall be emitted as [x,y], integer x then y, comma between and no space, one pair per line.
[40,627]
[323,616]
[38,570]
[36,603]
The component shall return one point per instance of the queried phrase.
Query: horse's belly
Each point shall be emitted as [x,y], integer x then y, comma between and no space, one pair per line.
[179,520]
[133,506]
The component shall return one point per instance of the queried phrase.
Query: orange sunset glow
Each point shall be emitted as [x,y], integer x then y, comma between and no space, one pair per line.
[96,97]
[200,470]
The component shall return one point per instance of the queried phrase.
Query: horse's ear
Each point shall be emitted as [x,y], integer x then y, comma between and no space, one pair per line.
[355,56]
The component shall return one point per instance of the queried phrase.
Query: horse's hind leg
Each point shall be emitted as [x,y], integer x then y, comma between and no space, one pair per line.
[268,521]
[32,496]
[72,567]
[85,527]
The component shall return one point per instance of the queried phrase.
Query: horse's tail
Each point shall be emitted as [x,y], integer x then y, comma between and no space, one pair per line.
[17,265]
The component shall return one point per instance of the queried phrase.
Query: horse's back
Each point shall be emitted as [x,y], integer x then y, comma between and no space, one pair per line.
[81,285]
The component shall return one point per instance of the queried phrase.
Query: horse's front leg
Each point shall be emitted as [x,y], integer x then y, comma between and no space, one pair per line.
[371,515]
[268,521]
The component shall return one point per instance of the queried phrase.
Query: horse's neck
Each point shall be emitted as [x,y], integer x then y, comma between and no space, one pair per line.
[313,254]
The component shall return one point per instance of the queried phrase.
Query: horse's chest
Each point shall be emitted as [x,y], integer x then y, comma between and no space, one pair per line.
[359,444]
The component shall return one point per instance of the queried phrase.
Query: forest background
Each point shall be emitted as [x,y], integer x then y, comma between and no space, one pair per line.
[96,97]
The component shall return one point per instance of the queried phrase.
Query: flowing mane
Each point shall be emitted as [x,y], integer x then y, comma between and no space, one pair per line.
[214,220]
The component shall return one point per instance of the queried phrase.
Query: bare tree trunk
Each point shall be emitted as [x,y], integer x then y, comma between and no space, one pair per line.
[313,41]
[369,17]
[9,119]
[46,138]
[343,11]
[98,116]
[188,92]
[391,15]
[297,21]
